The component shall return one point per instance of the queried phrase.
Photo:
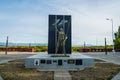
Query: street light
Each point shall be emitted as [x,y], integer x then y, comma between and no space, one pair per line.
[112,34]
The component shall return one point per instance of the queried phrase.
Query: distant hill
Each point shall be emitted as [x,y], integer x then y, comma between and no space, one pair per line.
[83,45]
[35,44]
[23,44]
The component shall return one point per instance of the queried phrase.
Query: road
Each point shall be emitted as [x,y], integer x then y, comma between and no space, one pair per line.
[110,57]
[14,55]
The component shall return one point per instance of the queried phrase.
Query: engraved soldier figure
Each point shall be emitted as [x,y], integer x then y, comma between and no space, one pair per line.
[61,39]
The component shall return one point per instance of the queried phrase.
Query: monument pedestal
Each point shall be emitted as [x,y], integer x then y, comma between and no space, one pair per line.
[46,62]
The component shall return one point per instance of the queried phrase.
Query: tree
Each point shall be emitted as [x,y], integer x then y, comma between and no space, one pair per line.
[117,39]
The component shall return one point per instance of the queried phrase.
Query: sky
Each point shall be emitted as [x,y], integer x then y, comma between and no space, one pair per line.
[26,21]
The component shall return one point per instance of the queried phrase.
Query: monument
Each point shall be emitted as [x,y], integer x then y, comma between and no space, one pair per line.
[59,39]
[59,54]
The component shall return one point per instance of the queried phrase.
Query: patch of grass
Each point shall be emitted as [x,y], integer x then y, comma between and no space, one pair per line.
[100,71]
[15,70]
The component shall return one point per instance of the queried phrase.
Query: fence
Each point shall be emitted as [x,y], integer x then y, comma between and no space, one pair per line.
[17,49]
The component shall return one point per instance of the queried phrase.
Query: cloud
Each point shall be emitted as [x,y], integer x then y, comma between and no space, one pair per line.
[29,18]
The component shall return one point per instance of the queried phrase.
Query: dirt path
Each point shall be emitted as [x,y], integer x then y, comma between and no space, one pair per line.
[62,75]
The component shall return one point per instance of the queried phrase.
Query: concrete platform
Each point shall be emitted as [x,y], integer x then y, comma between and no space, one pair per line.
[46,62]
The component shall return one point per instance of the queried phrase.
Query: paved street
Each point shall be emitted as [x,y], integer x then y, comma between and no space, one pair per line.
[117,77]
[13,55]
[110,57]
[1,78]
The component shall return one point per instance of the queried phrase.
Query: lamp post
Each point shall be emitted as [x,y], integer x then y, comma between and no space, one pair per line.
[112,34]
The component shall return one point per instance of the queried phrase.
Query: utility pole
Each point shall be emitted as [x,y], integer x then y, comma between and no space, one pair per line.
[105,47]
[6,46]
[29,45]
[84,45]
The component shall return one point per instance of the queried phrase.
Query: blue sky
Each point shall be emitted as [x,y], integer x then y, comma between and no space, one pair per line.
[26,21]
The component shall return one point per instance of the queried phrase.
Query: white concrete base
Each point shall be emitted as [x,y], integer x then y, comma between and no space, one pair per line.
[46,62]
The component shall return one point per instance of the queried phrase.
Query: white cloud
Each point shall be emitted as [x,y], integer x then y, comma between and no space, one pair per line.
[88,19]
